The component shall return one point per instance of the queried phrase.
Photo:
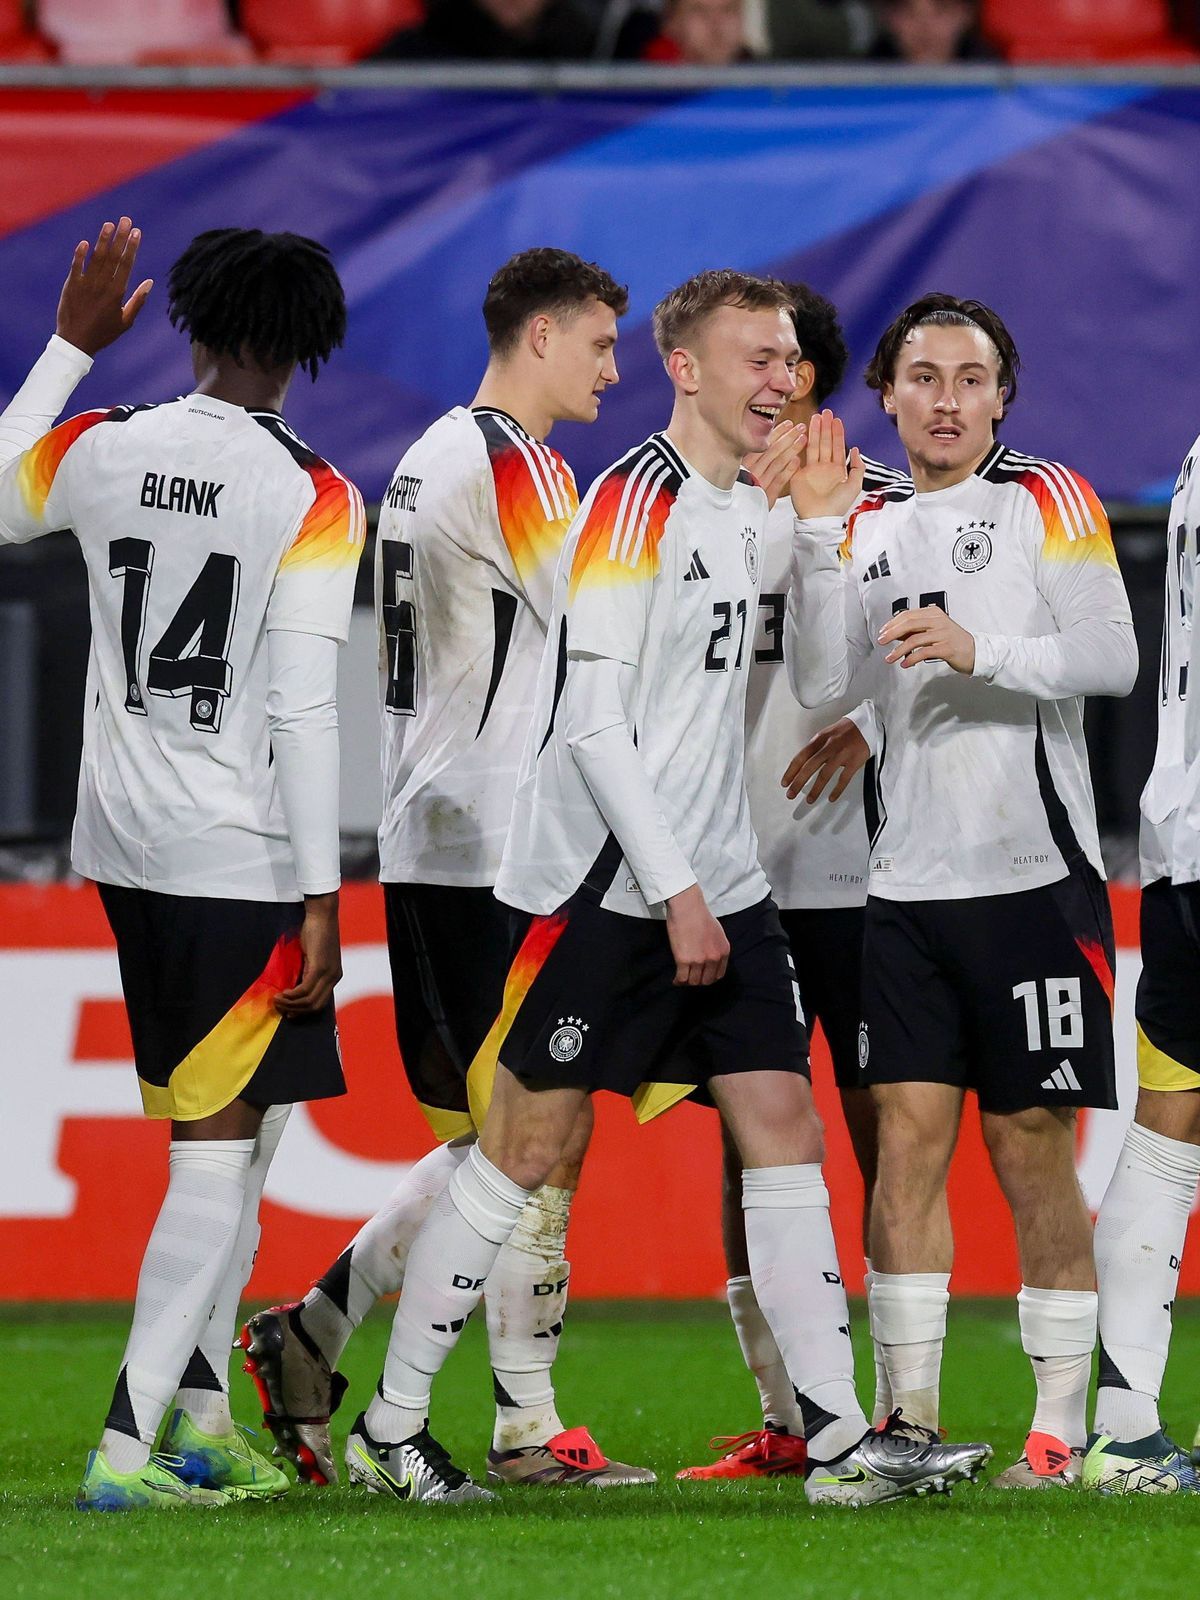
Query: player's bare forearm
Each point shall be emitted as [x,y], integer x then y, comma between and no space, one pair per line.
[92,309]
[321,956]
[698,940]
[928,634]
[837,752]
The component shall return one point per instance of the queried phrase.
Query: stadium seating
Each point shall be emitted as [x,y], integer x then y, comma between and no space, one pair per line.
[1084,30]
[142,31]
[17,43]
[324,32]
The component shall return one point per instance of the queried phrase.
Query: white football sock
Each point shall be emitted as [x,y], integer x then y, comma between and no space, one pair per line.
[186,1258]
[1058,1334]
[372,1265]
[1140,1234]
[448,1265]
[883,1389]
[762,1358]
[525,1301]
[908,1320]
[794,1269]
[204,1390]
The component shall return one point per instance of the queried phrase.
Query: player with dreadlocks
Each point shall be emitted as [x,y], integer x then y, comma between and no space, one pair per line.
[221,554]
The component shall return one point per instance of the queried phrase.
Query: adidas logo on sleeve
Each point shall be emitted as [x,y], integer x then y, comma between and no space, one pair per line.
[696,570]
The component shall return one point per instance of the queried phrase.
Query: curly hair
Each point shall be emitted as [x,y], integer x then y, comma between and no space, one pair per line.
[273,296]
[544,282]
[821,339]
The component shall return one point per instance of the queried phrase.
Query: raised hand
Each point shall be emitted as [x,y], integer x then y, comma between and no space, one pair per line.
[775,466]
[92,309]
[827,485]
[837,752]
[928,634]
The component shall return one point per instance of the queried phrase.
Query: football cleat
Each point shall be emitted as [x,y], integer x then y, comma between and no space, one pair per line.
[221,1461]
[297,1390]
[155,1486]
[415,1469]
[769,1453]
[571,1457]
[895,1459]
[1045,1463]
[1196,1449]
[1154,1465]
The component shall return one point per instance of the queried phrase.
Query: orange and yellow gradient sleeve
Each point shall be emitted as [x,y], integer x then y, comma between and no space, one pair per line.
[332,533]
[616,559]
[35,473]
[1074,521]
[534,515]
[314,586]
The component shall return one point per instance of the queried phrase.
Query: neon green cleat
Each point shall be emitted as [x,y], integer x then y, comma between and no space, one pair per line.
[1154,1465]
[224,1461]
[152,1487]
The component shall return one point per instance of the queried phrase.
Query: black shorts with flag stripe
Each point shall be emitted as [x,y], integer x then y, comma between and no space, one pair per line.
[448,946]
[591,1002]
[1006,994]
[200,978]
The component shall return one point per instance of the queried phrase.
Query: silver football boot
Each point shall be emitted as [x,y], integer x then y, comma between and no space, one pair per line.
[896,1459]
[415,1469]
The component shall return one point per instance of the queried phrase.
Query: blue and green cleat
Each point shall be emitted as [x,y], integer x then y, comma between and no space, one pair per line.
[154,1487]
[227,1461]
[1154,1465]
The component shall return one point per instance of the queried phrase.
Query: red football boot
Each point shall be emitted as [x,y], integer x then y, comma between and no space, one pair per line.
[765,1454]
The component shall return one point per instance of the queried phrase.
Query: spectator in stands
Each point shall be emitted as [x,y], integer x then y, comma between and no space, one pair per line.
[653,30]
[496,30]
[931,32]
[702,33]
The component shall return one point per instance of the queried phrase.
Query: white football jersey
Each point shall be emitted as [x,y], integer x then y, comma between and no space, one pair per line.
[814,856]
[979,790]
[1170,843]
[469,536]
[660,570]
[203,526]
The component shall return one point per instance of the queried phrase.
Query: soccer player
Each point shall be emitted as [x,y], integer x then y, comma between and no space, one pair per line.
[1143,1221]
[815,859]
[470,532]
[653,950]
[989,591]
[221,554]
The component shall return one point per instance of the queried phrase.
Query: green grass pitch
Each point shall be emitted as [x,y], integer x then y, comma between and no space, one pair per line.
[652,1381]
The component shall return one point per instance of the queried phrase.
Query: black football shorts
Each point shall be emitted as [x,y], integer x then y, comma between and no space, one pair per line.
[449,948]
[1168,991]
[827,948]
[200,978]
[591,1002]
[1009,995]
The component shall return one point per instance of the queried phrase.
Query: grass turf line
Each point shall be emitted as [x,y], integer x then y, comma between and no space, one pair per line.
[652,1382]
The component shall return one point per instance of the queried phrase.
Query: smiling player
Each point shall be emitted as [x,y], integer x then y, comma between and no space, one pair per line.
[654,950]
[988,596]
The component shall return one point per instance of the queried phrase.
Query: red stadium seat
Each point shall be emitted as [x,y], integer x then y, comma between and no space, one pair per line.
[321,32]
[17,43]
[1084,30]
[130,31]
